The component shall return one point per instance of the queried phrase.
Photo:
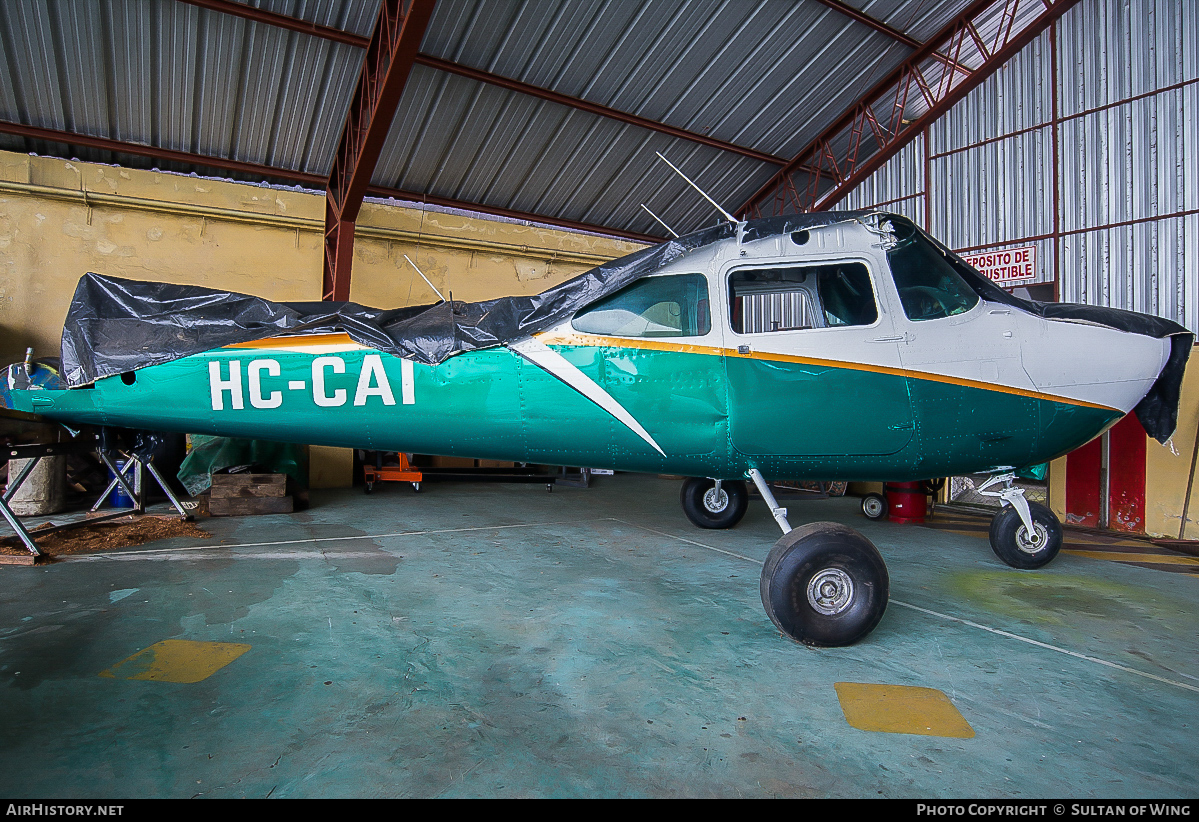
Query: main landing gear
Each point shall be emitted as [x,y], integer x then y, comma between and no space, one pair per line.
[714,503]
[823,584]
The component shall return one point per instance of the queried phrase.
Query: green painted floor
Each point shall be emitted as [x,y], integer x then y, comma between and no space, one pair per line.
[496,640]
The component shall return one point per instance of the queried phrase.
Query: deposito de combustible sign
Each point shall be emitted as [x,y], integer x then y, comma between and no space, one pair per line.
[1012,266]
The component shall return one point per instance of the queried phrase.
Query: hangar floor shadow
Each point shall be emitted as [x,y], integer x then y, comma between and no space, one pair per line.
[498,641]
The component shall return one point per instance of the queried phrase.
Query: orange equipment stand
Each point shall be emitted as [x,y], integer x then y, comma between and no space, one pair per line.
[392,473]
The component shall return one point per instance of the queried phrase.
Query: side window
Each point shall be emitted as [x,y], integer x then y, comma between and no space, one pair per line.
[798,297]
[671,306]
[928,285]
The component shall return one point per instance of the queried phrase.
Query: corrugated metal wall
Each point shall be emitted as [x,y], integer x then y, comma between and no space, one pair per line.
[1123,228]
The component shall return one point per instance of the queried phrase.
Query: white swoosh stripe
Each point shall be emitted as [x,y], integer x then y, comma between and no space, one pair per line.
[544,357]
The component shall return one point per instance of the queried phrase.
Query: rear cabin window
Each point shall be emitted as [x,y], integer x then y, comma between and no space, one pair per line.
[929,286]
[675,305]
[797,297]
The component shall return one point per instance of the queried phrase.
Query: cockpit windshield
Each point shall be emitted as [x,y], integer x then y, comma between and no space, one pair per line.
[929,286]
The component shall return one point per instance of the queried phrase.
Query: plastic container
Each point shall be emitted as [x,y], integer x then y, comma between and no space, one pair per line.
[906,501]
[118,496]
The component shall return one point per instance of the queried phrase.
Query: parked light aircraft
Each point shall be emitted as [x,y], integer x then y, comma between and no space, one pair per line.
[845,346]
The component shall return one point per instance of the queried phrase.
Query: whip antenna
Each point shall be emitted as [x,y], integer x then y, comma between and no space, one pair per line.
[660,221]
[727,216]
[423,277]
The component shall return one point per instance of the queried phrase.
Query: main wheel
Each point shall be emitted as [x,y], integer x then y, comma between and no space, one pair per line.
[1012,543]
[708,508]
[825,584]
[874,506]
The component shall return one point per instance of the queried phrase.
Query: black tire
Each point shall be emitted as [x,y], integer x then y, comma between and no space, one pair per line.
[707,510]
[1011,543]
[874,506]
[824,584]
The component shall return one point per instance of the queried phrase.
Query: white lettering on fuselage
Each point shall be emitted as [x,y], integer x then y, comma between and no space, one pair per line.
[266,393]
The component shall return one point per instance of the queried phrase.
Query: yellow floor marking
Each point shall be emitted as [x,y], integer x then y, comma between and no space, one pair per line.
[177,660]
[901,709]
[1123,556]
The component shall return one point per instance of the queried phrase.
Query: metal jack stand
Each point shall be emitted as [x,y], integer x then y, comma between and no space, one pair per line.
[136,492]
[34,454]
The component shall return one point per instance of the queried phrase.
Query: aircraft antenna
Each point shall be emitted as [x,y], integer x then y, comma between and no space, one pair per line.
[660,221]
[727,216]
[423,277]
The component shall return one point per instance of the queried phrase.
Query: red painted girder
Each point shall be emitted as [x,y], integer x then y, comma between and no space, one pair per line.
[389,60]
[847,171]
[282,21]
[594,108]
[866,19]
[385,69]
[157,153]
[881,27]
[293,24]
[303,177]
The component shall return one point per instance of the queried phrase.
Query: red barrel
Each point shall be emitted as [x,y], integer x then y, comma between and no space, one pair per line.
[906,501]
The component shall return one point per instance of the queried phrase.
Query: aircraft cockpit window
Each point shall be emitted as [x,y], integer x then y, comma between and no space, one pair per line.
[671,306]
[928,285]
[796,298]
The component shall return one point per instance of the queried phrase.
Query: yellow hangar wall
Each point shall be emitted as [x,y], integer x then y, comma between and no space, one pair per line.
[61,219]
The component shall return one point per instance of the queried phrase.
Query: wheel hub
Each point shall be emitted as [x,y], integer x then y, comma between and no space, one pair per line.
[716,500]
[830,591]
[1034,543]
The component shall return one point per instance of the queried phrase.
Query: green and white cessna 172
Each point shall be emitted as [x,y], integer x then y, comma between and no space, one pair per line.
[847,346]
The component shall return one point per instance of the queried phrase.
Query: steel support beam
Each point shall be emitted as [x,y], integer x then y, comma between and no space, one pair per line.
[881,123]
[156,153]
[878,25]
[282,21]
[389,58]
[302,177]
[594,108]
[437,63]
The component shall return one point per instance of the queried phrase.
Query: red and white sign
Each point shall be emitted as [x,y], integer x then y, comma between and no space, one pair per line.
[1012,266]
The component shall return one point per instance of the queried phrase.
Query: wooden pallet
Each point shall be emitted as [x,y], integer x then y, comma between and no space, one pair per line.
[239,495]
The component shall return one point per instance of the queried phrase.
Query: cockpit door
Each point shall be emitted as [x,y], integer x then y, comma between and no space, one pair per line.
[813,362]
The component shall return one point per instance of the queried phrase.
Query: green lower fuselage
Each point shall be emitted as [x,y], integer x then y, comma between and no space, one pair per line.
[712,414]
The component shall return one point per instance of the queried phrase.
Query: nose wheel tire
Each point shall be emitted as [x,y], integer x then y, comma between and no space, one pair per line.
[707,507]
[1012,543]
[824,584]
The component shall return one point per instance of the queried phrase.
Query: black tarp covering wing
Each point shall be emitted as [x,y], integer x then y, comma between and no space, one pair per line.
[115,325]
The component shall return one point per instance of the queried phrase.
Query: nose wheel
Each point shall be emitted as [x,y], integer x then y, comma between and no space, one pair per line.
[1017,545]
[1023,534]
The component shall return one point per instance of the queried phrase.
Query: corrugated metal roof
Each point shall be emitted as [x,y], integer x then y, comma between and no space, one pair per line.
[1127,176]
[767,75]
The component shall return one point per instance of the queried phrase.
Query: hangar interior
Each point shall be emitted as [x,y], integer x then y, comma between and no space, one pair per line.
[489,639]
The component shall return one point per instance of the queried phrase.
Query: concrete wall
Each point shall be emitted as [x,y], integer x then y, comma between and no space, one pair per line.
[60,219]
